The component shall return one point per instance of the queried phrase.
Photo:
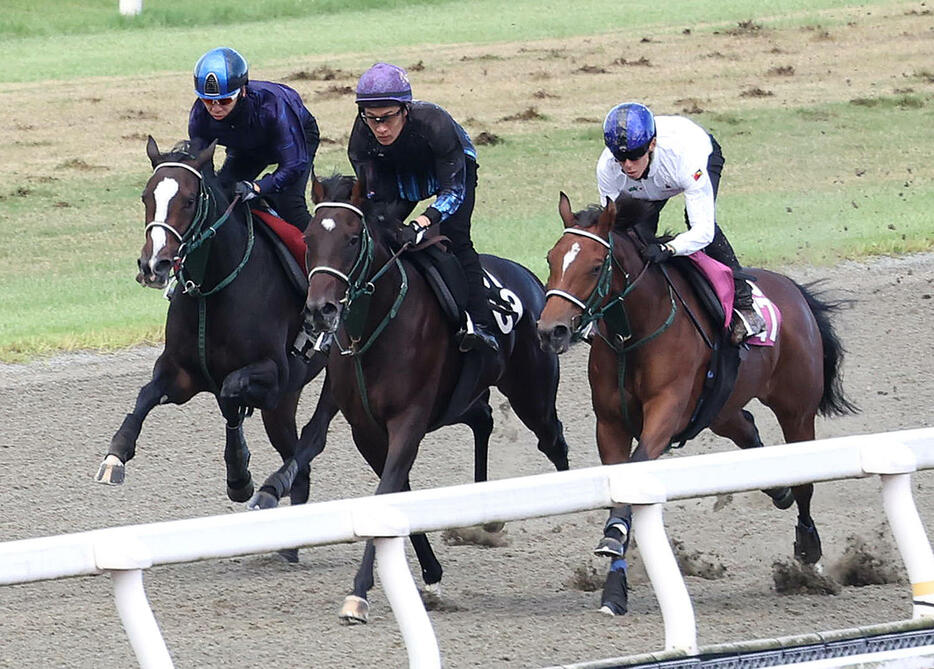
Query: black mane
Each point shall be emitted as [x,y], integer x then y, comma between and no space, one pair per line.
[337,188]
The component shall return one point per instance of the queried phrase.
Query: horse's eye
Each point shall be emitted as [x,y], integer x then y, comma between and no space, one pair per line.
[596,269]
[189,203]
[355,240]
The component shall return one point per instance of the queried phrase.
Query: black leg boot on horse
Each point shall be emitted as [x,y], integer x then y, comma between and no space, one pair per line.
[746,320]
[614,544]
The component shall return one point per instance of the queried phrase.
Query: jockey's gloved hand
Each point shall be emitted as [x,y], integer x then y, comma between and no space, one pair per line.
[411,233]
[246,190]
[657,252]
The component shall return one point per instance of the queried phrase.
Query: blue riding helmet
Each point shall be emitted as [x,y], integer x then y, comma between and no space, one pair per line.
[220,73]
[383,84]
[628,129]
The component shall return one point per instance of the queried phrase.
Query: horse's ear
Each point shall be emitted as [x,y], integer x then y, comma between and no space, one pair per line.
[317,191]
[357,193]
[206,156]
[152,150]
[607,217]
[564,210]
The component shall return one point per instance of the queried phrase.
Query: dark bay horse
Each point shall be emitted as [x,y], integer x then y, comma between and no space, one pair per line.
[646,383]
[230,322]
[394,363]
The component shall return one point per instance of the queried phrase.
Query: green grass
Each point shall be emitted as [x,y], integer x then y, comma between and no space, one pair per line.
[91,40]
[774,208]
[815,184]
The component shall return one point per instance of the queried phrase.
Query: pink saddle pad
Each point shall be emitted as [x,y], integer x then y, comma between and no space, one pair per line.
[721,278]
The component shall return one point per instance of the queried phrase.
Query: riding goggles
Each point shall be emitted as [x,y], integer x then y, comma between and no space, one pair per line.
[379,120]
[223,102]
[633,154]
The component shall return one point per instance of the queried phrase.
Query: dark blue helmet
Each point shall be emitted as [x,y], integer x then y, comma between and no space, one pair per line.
[220,73]
[628,129]
[383,84]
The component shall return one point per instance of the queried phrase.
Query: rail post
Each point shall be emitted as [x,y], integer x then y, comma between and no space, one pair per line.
[647,495]
[124,557]
[388,528]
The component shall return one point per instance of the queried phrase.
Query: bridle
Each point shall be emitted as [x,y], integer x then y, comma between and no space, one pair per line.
[364,257]
[200,213]
[194,244]
[360,286]
[598,307]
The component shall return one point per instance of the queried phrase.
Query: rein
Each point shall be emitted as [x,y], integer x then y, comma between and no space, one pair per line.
[357,297]
[597,307]
[194,251]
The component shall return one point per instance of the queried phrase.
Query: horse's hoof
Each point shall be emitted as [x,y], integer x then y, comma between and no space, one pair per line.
[111,472]
[355,610]
[782,498]
[241,494]
[493,528]
[609,547]
[807,544]
[290,555]
[262,500]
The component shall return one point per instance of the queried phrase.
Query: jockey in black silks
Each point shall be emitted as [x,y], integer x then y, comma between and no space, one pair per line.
[261,123]
[406,151]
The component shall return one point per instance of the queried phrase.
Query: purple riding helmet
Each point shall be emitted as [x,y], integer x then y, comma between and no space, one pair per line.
[383,84]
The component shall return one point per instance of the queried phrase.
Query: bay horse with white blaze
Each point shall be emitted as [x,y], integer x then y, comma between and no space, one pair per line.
[230,322]
[647,370]
[394,363]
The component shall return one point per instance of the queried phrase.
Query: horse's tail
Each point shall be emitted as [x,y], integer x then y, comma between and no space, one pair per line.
[833,402]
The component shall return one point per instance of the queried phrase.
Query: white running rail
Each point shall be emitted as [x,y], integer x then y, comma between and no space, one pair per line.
[124,552]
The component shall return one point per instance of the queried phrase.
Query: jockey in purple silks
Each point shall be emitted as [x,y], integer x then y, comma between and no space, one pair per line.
[655,158]
[408,150]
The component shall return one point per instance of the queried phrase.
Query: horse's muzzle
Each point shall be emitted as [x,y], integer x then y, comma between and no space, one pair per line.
[554,338]
[153,275]
[322,317]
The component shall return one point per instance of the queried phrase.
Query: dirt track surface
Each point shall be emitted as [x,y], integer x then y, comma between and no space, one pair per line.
[516,606]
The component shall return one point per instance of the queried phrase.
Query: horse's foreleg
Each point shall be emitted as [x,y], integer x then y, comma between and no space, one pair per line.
[614,442]
[310,444]
[236,454]
[255,385]
[123,444]
[405,434]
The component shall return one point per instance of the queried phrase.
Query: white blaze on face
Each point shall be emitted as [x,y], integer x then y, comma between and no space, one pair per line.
[163,194]
[328,224]
[570,256]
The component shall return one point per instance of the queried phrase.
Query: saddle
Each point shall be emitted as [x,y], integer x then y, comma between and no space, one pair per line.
[289,244]
[445,275]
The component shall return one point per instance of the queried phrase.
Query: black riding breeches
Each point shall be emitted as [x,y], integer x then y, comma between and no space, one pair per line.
[457,228]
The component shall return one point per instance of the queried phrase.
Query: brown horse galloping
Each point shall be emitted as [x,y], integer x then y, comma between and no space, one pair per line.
[394,363]
[646,383]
